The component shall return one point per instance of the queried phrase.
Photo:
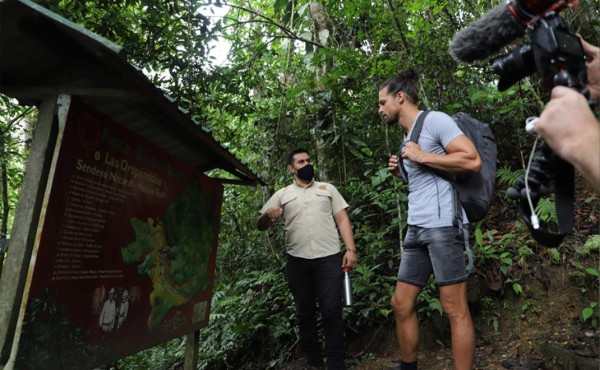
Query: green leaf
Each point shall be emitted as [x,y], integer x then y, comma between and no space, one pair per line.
[517,288]
[587,313]
[356,153]
[593,242]
[380,177]
[554,254]
[478,236]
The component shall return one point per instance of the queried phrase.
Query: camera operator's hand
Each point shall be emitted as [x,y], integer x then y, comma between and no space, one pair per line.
[569,127]
[592,54]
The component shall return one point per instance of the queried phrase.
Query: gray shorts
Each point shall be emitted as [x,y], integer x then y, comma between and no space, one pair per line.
[439,250]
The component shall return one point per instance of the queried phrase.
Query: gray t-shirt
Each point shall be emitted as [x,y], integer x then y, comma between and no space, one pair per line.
[430,201]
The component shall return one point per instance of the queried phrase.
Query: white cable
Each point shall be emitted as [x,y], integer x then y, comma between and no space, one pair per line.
[529,124]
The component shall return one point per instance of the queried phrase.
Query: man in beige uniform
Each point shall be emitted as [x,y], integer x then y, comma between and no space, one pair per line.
[314,263]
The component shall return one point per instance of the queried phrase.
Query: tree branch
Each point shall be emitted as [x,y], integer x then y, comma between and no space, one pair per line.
[13,121]
[399,27]
[268,20]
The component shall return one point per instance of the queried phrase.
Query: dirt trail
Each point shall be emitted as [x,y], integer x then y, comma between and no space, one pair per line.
[541,329]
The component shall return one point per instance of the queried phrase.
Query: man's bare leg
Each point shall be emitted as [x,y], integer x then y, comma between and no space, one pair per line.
[454,302]
[407,324]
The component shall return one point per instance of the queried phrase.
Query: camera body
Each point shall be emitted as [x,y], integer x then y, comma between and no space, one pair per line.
[552,51]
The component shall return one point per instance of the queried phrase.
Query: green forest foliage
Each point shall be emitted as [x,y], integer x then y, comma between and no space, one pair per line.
[301,73]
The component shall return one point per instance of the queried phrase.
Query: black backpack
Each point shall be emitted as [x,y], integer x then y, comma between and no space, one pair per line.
[475,190]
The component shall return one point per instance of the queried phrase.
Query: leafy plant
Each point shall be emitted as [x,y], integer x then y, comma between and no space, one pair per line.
[504,253]
[253,313]
[429,308]
[591,314]
[508,176]
[587,277]
[528,307]
[162,356]
[491,314]
[373,292]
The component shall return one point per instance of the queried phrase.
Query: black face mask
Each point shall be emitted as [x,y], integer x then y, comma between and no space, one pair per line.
[306,173]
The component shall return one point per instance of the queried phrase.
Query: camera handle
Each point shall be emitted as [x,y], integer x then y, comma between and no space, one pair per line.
[564,78]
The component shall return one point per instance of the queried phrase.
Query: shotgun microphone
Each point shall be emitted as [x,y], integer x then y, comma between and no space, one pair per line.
[501,25]
[486,35]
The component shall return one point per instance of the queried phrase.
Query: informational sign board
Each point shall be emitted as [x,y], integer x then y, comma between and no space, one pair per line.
[125,252]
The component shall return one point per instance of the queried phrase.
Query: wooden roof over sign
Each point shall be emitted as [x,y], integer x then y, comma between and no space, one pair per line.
[42,53]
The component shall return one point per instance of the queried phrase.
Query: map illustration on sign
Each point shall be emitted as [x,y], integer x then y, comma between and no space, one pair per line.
[173,250]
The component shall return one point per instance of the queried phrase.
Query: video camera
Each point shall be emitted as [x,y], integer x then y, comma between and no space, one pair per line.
[554,52]
[558,57]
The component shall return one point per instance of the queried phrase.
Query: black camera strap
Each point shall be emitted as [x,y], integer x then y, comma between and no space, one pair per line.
[565,190]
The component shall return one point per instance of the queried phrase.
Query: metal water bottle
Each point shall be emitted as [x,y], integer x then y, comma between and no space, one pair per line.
[347,288]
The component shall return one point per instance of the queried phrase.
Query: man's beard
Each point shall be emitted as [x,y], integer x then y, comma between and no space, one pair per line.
[393,120]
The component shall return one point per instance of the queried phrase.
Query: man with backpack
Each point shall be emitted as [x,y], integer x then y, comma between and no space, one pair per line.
[434,243]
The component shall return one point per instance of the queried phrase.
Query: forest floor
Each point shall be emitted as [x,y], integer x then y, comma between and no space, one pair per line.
[541,328]
[543,331]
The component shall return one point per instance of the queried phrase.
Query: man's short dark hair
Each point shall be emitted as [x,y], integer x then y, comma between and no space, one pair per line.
[294,152]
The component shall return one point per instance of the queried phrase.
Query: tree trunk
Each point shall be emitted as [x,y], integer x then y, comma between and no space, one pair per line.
[321,34]
[5,204]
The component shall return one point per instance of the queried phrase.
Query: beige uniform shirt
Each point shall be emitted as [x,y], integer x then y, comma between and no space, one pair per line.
[310,229]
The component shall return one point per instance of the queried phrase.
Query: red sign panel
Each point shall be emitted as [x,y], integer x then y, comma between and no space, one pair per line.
[126,253]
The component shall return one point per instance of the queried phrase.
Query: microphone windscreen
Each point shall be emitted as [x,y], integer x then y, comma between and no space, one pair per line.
[486,35]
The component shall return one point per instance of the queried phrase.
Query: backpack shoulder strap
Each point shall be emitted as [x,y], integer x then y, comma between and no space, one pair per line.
[414,137]
[416,131]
